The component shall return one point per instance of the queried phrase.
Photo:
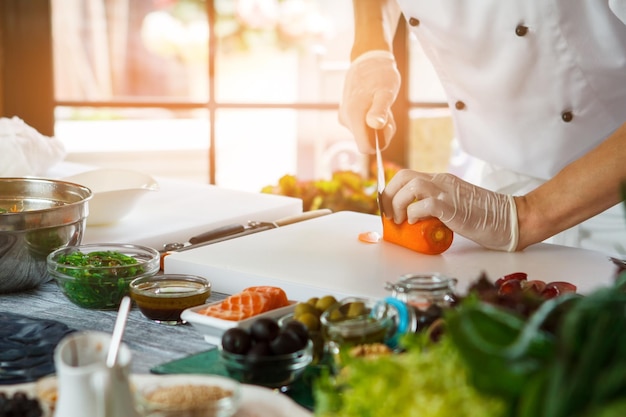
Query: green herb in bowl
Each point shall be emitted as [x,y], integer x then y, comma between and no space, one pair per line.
[98,276]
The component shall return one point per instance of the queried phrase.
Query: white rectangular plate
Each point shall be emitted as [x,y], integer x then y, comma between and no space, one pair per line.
[213,328]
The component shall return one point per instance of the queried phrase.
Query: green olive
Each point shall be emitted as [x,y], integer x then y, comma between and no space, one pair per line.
[304,308]
[336,315]
[325,302]
[311,321]
[312,301]
[356,309]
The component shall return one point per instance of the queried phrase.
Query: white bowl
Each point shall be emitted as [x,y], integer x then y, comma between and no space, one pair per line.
[115,192]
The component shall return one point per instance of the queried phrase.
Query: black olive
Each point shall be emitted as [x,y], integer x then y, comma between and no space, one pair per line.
[264,328]
[300,329]
[236,340]
[427,317]
[259,350]
[286,342]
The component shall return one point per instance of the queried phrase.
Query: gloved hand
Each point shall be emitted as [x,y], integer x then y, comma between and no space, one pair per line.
[371,86]
[486,217]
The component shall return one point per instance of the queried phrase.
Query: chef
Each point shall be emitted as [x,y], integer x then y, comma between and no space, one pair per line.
[537,92]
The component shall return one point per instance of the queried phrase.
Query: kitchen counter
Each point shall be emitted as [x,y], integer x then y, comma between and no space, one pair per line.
[312,257]
[151,343]
[174,213]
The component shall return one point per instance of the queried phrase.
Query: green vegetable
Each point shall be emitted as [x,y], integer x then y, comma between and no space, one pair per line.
[428,380]
[586,374]
[503,350]
[101,278]
[576,371]
[345,190]
[98,259]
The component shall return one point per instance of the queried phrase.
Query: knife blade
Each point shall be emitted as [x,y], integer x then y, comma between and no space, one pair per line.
[381,182]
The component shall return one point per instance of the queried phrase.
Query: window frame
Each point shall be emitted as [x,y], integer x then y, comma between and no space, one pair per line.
[27,85]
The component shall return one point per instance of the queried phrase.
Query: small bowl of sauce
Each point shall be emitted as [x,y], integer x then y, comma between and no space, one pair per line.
[162,298]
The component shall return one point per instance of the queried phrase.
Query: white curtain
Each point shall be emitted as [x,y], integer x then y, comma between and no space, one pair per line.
[90,43]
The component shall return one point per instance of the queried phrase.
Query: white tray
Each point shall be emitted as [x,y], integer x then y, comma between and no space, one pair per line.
[213,328]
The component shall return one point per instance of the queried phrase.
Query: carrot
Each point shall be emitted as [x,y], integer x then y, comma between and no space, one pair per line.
[429,236]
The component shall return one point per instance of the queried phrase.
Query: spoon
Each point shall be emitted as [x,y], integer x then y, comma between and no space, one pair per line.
[118,331]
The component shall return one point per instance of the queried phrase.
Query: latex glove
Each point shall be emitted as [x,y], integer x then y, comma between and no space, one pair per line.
[486,217]
[371,86]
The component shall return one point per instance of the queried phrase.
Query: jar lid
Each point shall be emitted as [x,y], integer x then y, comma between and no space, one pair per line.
[422,282]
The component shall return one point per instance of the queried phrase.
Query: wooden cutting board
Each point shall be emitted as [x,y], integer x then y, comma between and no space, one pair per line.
[324,256]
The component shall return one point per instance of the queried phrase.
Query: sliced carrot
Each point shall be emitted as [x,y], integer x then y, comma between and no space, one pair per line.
[429,236]
[369,237]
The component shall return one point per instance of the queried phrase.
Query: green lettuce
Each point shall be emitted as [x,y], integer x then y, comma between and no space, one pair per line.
[428,380]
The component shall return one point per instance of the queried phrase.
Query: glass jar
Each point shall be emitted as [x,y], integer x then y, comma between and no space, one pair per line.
[423,290]
[426,296]
[356,321]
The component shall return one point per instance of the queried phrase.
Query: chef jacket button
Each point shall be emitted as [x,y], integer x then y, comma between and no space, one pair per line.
[521,30]
[414,22]
[567,116]
[459,105]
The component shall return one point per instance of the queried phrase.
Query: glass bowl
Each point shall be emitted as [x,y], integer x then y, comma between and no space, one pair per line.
[189,396]
[351,322]
[98,276]
[162,298]
[276,371]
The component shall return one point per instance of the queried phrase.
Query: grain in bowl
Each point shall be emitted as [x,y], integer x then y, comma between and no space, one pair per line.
[190,396]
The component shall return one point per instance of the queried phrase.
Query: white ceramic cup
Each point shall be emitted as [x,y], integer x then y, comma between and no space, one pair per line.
[86,386]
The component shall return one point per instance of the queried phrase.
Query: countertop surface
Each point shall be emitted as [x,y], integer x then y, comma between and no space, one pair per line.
[174,213]
[311,257]
[151,343]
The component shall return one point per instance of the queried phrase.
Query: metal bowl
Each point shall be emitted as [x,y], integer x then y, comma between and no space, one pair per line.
[37,216]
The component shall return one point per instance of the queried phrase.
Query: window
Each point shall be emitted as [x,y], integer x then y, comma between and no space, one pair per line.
[232,92]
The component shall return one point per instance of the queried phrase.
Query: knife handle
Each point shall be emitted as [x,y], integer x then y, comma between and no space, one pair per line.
[217,233]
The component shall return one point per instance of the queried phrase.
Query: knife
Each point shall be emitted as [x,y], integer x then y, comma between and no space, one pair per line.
[381,174]
[235,230]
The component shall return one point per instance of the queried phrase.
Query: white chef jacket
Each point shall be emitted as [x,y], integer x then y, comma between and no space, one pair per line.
[532,85]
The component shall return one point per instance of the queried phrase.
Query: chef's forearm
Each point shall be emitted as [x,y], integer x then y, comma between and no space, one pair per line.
[581,190]
[375,23]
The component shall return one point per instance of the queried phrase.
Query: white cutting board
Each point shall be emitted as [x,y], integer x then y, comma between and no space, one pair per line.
[180,210]
[324,256]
